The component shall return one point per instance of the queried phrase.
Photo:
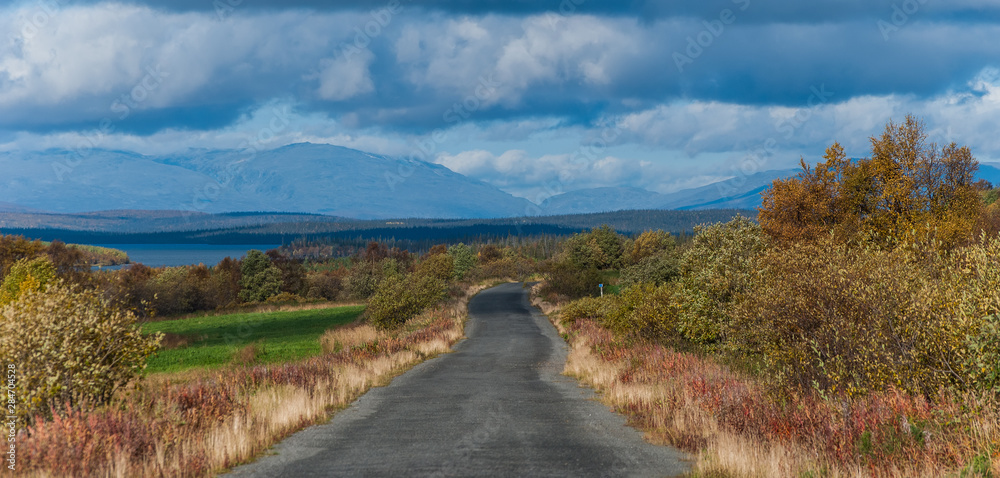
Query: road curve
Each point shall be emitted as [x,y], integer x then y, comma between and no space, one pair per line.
[496,406]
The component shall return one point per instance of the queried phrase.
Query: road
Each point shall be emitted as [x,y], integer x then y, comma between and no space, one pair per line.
[496,406]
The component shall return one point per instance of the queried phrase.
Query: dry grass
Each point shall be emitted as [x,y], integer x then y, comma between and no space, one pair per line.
[200,423]
[736,428]
[259,308]
[174,341]
[346,338]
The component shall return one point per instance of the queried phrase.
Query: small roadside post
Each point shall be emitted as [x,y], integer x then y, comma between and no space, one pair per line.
[601,286]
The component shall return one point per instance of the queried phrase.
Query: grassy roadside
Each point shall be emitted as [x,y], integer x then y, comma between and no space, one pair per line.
[216,340]
[735,428]
[200,424]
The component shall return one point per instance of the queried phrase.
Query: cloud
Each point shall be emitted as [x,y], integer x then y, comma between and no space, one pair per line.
[786,11]
[345,77]
[537,178]
[518,87]
[413,66]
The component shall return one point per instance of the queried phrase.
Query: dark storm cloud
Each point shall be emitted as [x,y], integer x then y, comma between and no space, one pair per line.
[762,12]
[425,67]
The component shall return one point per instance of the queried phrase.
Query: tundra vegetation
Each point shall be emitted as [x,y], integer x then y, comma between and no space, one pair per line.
[853,331]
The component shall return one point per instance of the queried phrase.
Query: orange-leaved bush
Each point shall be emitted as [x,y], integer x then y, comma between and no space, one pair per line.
[908,190]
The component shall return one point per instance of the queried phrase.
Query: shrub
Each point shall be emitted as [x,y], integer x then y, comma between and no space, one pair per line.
[259,279]
[601,248]
[597,308]
[173,292]
[70,347]
[323,285]
[463,259]
[393,303]
[645,310]
[648,244]
[507,266]
[285,298]
[438,266]
[656,269]
[362,279]
[26,275]
[713,272]
[567,279]
[856,320]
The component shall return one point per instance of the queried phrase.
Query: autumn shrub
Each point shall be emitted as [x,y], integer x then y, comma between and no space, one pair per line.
[645,310]
[716,269]
[907,190]
[393,303]
[173,293]
[327,285]
[566,278]
[502,264]
[24,276]
[71,347]
[363,279]
[400,296]
[855,320]
[655,269]
[15,248]
[601,248]
[648,244]
[595,308]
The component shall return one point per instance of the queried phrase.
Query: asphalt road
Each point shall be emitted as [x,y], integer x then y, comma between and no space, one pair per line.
[497,406]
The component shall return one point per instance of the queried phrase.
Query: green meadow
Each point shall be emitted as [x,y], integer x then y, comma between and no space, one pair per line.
[216,340]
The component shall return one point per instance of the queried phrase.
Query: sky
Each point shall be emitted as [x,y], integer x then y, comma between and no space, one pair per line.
[534,97]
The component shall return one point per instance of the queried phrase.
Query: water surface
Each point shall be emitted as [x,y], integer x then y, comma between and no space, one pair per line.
[172,255]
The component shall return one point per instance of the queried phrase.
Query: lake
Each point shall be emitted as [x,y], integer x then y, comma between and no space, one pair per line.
[156,255]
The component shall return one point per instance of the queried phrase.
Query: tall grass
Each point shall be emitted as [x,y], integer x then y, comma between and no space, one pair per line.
[737,428]
[204,423]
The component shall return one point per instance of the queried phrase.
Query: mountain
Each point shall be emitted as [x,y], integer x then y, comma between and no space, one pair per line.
[989,172]
[314,179]
[735,193]
[585,201]
[305,178]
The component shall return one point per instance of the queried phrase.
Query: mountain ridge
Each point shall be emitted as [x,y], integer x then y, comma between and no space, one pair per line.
[328,180]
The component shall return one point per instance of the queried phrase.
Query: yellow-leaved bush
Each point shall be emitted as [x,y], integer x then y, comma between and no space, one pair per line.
[70,348]
[853,320]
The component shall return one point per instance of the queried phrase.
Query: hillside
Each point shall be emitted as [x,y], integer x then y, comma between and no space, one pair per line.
[305,178]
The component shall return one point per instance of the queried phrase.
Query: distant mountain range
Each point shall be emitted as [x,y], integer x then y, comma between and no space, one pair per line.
[736,193]
[303,178]
[318,179]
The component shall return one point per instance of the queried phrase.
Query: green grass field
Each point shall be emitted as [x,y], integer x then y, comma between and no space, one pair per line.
[213,341]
